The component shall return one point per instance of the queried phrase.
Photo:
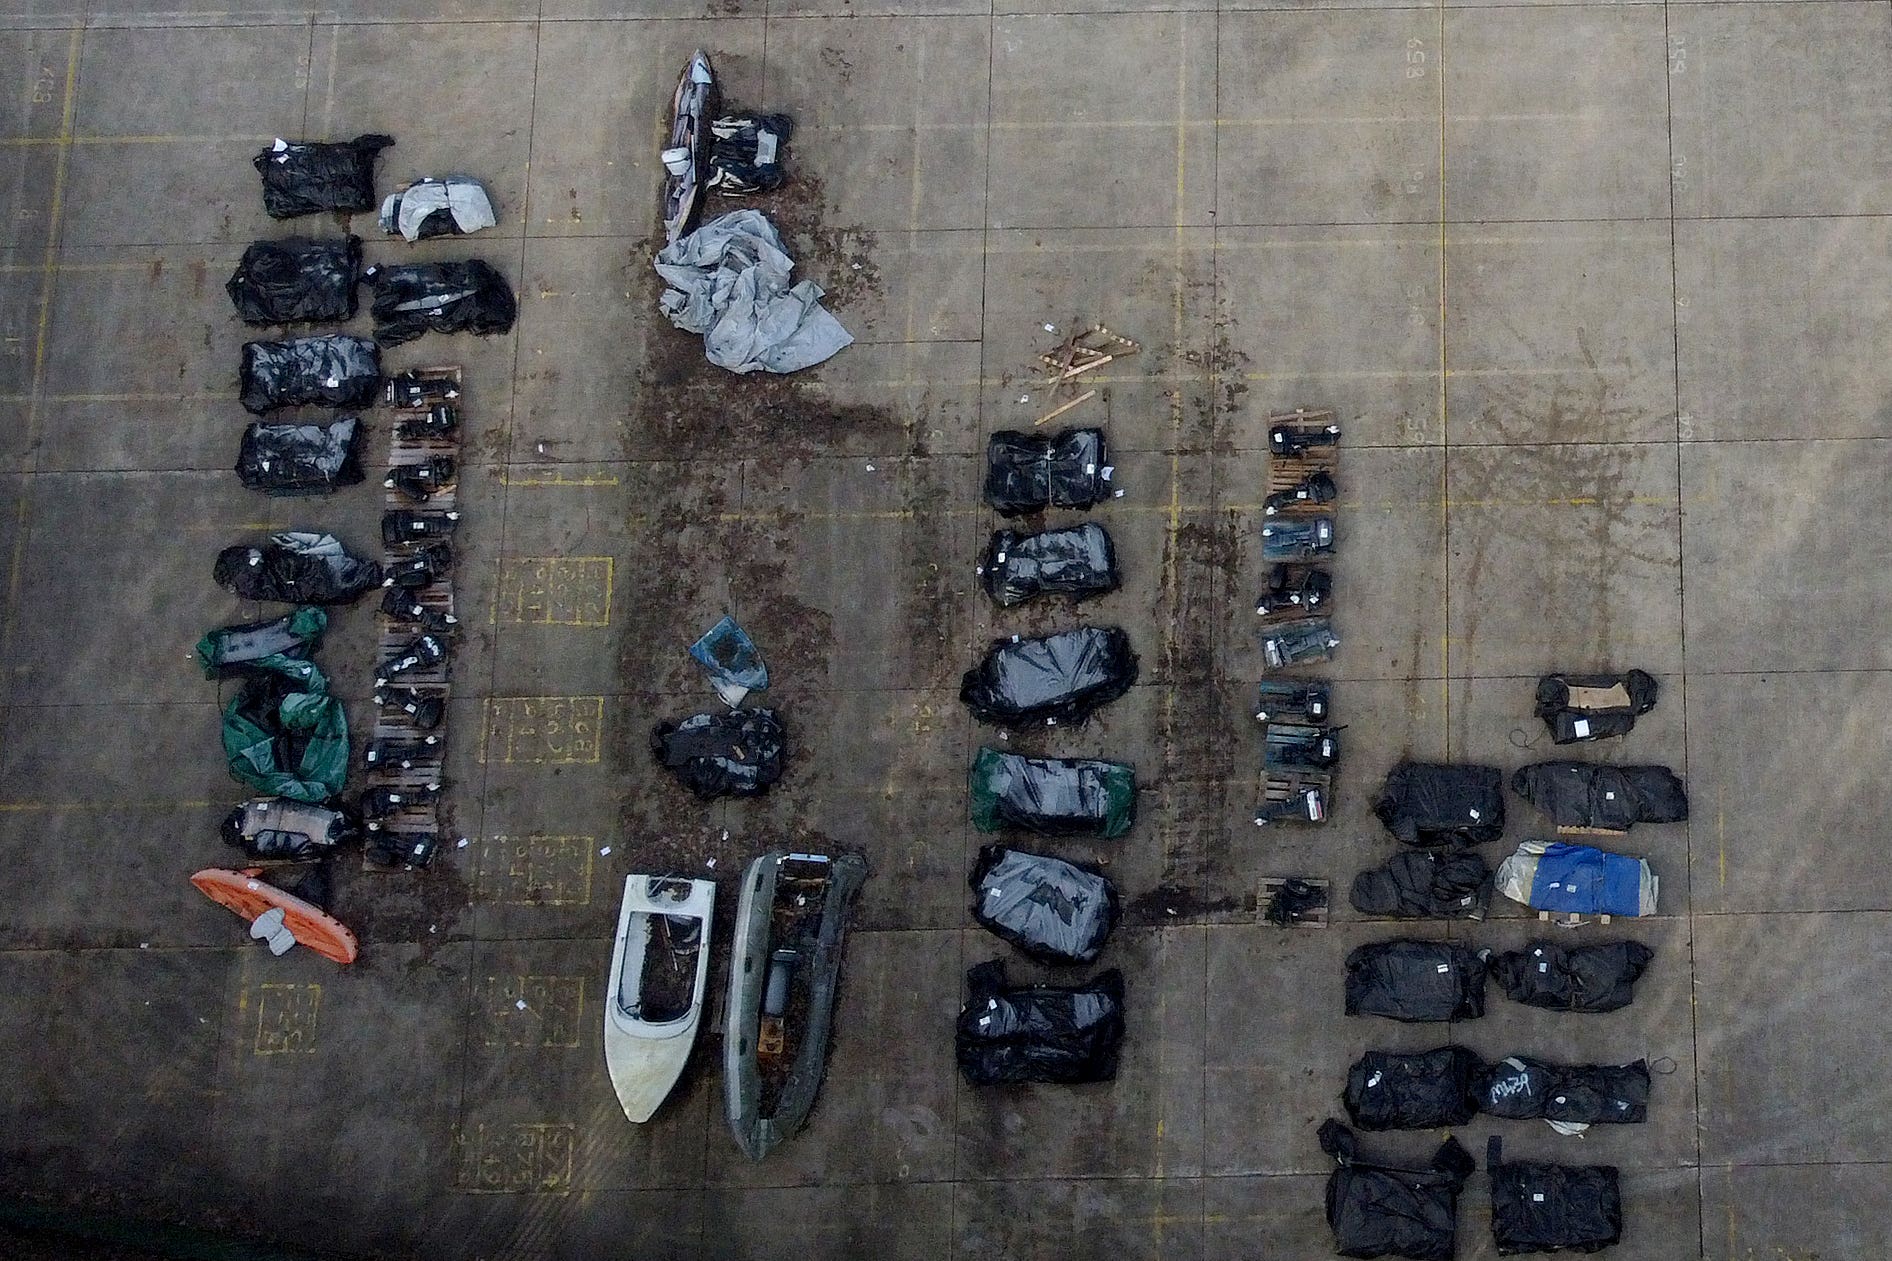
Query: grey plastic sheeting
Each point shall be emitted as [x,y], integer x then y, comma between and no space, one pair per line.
[729,281]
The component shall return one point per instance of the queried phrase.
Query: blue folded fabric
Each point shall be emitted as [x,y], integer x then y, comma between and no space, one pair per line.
[1584,880]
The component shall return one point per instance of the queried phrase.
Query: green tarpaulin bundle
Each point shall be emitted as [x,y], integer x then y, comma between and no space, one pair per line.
[1052,796]
[284,735]
[280,645]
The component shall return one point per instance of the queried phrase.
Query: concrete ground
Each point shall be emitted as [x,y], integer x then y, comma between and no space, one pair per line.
[1600,292]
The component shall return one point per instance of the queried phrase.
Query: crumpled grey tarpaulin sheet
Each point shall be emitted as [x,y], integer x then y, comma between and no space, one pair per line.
[729,281]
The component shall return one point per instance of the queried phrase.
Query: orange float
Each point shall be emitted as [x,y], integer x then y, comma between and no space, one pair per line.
[249,896]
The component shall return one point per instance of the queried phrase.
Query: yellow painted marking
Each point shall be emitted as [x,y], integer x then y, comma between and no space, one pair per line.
[536,870]
[554,591]
[285,1018]
[508,477]
[498,1159]
[542,729]
[67,139]
[553,1014]
[54,807]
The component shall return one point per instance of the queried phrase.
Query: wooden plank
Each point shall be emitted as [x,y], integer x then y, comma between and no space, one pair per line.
[1316,918]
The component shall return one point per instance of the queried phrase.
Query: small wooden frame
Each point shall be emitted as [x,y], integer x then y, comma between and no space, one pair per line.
[1314,919]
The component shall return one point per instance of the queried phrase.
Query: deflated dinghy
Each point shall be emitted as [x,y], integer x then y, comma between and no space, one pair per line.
[783,975]
[658,968]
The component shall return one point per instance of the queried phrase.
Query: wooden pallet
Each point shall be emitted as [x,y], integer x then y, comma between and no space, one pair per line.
[1279,787]
[1573,830]
[436,680]
[1314,919]
[1284,474]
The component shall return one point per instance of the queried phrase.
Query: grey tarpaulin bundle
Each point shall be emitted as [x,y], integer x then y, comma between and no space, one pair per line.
[1027,472]
[296,281]
[1039,1033]
[459,297]
[1052,796]
[1600,976]
[1426,884]
[737,753]
[451,206]
[729,281]
[296,567]
[300,459]
[1593,706]
[1426,803]
[1541,1207]
[1415,980]
[1379,1209]
[1421,1090]
[286,830]
[334,370]
[1064,677]
[1053,910]
[307,177]
[1078,561]
[1583,794]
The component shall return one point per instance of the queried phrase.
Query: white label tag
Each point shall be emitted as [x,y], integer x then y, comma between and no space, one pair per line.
[1581,726]
[1445,967]
[765,148]
[1537,1197]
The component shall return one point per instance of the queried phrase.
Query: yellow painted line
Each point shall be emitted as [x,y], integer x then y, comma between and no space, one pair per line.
[57,807]
[554,591]
[508,478]
[66,139]
[542,730]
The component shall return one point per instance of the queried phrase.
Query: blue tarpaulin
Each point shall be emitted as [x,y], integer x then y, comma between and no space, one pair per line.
[735,666]
[1584,880]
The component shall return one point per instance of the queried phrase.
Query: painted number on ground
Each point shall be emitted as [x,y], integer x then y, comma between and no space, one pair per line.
[542,729]
[285,1017]
[555,591]
[537,870]
[533,1010]
[514,1158]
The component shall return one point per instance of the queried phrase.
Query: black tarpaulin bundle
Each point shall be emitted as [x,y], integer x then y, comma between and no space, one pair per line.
[1596,977]
[1039,1033]
[1052,796]
[1065,677]
[1415,980]
[300,459]
[736,753]
[1615,798]
[1523,1088]
[1397,1090]
[1078,562]
[307,177]
[335,370]
[1593,706]
[1053,910]
[1425,803]
[296,281]
[463,297]
[1030,472]
[1426,884]
[1376,1209]
[296,567]
[749,153]
[1540,1207]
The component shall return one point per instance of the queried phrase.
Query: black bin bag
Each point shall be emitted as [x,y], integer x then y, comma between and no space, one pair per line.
[300,459]
[1421,1090]
[735,753]
[1540,1207]
[331,371]
[1578,707]
[1600,976]
[1053,910]
[1427,804]
[1415,981]
[1524,1088]
[1426,884]
[1079,562]
[1061,678]
[296,281]
[1039,1033]
[302,177]
[1378,1209]
[1588,795]
[1029,472]
[296,567]
[1052,796]
[415,298]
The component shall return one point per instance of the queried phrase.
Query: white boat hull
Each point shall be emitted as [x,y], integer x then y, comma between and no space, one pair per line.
[645,1056]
